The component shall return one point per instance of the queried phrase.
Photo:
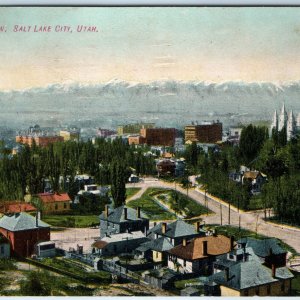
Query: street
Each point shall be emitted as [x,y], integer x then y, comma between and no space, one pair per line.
[248,220]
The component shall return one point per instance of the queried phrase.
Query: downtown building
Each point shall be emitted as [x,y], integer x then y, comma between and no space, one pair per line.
[207,132]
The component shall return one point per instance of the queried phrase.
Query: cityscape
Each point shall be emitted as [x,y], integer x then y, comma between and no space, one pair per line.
[178,180]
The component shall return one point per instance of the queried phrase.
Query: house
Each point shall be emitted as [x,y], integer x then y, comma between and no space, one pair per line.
[175,232]
[269,250]
[256,179]
[166,167]
[55,203]
[16,207]
[120,243]
[45,249]
[197,256]
[23,232]
[121,220]
[155,250]
[4,247]
[93,189]
[249,278]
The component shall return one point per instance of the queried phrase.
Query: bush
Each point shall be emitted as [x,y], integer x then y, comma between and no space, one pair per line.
[34,286]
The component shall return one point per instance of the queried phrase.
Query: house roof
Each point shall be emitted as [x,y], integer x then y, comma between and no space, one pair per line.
[50,197]
[161,244]
[249,274]
[15,207]
[99,244]
[21,221]
[118,215]
[216,245]
[175,229]
[263,247]
[251,174]
[122,237]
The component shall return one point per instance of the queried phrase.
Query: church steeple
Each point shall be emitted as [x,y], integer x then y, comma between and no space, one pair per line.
[291,126]
[274,124]
[282,118]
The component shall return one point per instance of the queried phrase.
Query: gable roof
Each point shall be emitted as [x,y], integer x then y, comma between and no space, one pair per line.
[50,197]
[263,247]
[161,244]
[176,229]
[16,206]
[249,274]
[216,245]
[21,221]
[251,174]
[117,215]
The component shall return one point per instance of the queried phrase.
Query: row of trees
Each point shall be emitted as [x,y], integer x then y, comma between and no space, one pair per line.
[108,162]
[274,156]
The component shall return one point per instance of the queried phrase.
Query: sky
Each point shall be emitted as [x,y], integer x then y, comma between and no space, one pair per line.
[143,44]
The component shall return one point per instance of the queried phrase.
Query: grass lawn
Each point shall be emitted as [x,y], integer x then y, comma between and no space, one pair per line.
[182,204]
[148,205]
[76,268]
[255,203]
[71,220]
[131,191]
[180,284]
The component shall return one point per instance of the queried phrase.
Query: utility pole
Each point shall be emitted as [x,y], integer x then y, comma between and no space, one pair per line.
[221,214]
[229,211]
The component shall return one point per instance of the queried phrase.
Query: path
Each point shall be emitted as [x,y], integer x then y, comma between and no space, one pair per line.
[249,220]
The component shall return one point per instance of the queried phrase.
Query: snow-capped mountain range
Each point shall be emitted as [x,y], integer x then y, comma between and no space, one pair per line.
[168,103]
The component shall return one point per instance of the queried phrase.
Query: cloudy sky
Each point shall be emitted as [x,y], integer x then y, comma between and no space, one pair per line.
[146,44]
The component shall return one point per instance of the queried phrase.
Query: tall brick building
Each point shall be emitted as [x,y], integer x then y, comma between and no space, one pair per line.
[204,133]
[42,141]
[159,136]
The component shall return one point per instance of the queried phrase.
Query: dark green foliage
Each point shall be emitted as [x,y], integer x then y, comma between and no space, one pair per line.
[119,176]
[35,286]
[90,204]
[26,170]
[252,140]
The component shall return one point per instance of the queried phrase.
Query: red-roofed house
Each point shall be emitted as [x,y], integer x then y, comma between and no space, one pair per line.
[16,207]
[55,203]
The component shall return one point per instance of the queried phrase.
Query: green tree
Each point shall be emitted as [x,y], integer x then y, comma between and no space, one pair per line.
[119,176]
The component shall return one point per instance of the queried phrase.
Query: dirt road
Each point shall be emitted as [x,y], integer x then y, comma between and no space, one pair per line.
[248,220]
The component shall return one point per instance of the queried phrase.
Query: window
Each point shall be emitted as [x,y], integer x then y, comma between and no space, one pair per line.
[282,286]
[246,292]
[65,205]
[184,263]
[56,206]
[268,289]
[2,249]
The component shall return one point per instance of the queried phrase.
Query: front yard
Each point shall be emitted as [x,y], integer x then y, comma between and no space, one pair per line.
[74,221]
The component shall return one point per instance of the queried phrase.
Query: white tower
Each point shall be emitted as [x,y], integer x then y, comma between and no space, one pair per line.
[274,124]
[282,118]
[291,126]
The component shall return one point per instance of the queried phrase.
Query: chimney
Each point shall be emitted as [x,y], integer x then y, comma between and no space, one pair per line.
[125,213]
[138,212]
[198,226]
[226,274]
[163,228]
[231,243]
[273,271]
[37,219]
[184,242]
[204,248]
[106,211]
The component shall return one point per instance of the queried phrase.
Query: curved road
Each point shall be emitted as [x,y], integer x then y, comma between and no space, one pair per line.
[248,220]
